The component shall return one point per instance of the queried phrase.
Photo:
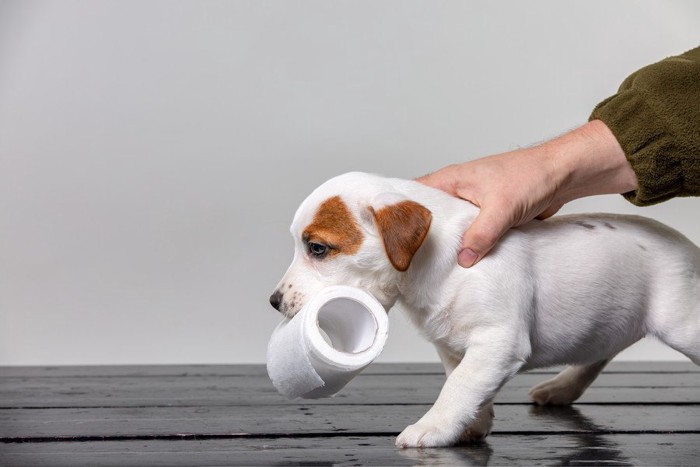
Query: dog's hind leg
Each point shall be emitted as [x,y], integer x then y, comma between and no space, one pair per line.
[568,385]
[687,345]
[678,328]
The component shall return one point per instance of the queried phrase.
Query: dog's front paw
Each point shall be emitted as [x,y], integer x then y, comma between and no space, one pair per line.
[477,432]
[427,435]
[481,427]
[556,391]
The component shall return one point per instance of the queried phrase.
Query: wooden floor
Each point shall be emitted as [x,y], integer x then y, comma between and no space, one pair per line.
[634,414]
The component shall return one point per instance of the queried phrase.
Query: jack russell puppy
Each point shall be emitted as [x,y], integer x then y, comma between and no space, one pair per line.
[570,290]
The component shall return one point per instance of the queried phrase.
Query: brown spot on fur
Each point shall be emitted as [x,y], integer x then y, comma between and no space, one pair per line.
[335,226]
[403,227]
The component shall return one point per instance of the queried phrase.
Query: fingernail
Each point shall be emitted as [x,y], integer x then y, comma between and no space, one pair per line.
[467,257]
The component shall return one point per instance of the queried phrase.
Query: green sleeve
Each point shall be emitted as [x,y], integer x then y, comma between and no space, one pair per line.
[655,117]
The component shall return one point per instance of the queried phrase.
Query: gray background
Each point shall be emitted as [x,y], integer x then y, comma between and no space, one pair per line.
[153,153]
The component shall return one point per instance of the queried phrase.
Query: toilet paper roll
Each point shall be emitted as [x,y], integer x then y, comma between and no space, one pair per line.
[315,354]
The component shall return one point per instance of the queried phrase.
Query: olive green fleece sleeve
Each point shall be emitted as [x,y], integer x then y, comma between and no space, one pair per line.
[655,117]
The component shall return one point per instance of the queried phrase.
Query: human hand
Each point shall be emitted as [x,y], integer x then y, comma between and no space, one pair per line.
[510,189]
[516,187]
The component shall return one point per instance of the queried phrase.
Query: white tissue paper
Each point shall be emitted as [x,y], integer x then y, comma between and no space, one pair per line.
[336,335]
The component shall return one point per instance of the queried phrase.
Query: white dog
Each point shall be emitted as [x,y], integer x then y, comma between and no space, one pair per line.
[570,290]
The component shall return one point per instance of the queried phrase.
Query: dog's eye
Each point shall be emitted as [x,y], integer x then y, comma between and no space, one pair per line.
[318,250]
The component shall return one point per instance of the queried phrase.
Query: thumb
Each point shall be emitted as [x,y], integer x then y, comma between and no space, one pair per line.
[488,227]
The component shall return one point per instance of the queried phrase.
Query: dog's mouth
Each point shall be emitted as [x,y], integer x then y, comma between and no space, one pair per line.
[289,311]
[288,315]
[284,309]
[292,303]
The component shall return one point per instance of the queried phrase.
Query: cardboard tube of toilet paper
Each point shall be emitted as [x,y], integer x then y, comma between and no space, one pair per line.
[336,335]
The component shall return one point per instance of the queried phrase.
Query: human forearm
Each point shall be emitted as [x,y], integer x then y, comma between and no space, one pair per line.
[589,161]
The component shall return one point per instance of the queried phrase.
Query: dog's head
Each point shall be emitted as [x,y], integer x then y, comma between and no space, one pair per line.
[353,230]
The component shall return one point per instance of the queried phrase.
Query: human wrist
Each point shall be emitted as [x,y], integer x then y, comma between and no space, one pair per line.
[589,161]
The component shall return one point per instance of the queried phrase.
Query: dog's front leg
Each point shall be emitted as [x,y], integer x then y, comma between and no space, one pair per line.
[486,366]
[481,426]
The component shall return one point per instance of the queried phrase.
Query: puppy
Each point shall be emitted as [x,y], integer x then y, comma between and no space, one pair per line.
[569,290]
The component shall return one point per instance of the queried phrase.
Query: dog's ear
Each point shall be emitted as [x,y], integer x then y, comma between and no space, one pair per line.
[403,225]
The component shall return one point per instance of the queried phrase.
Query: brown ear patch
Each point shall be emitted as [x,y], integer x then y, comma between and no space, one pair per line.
[403,227]
[335,226]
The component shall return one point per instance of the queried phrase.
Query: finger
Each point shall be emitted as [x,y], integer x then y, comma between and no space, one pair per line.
[435,180]
[425,178]
[488,227]
[443,179]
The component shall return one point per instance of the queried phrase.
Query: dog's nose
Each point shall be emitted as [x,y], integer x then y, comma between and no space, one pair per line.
[276,300]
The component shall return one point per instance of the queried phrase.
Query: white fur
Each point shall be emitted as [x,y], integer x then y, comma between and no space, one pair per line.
[569,290]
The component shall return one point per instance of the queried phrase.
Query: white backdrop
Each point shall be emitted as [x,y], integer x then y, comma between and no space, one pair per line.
[152,154]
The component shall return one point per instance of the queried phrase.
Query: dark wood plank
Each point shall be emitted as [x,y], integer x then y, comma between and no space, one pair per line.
[569,449]
[524,380]
[356,397]
[178,422]
[159,391]
[259,370]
